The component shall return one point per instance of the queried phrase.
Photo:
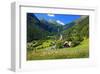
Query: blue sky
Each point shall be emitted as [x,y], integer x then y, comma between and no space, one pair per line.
[60,18]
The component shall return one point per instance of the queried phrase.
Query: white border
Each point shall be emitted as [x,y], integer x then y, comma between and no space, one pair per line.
[19,62]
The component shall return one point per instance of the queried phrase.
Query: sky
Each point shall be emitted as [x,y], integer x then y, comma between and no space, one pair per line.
[59,18]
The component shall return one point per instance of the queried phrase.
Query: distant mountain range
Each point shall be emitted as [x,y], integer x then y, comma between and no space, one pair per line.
[39,29]
[46,25]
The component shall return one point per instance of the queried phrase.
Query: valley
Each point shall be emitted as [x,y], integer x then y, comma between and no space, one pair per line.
[51,40]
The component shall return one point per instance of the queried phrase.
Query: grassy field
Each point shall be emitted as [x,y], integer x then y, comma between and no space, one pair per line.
[80,51]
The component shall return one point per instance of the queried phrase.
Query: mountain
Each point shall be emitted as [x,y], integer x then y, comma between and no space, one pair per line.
[78,31]
[34,28]
[76,22]
[39,29]
[80,19]
[68,25]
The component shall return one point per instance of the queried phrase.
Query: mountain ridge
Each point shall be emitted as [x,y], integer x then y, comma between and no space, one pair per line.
[40,29]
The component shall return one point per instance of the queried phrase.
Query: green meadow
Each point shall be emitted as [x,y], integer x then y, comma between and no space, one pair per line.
[80,51]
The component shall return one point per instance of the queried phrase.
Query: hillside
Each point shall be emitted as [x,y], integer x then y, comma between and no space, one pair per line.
[40,29]
[77,32]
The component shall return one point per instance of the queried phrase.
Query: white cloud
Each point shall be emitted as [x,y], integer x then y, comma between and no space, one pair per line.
[58,21]
[51,15]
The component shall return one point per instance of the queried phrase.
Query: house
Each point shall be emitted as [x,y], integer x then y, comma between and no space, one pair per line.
[67,44]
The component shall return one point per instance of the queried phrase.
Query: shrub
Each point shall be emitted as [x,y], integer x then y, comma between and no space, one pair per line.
[75,43]
[59,44]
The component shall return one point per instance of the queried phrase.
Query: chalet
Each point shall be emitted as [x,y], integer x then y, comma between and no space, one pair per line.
[67,44]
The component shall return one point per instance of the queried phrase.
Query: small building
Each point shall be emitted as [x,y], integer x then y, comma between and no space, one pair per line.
[67,44]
